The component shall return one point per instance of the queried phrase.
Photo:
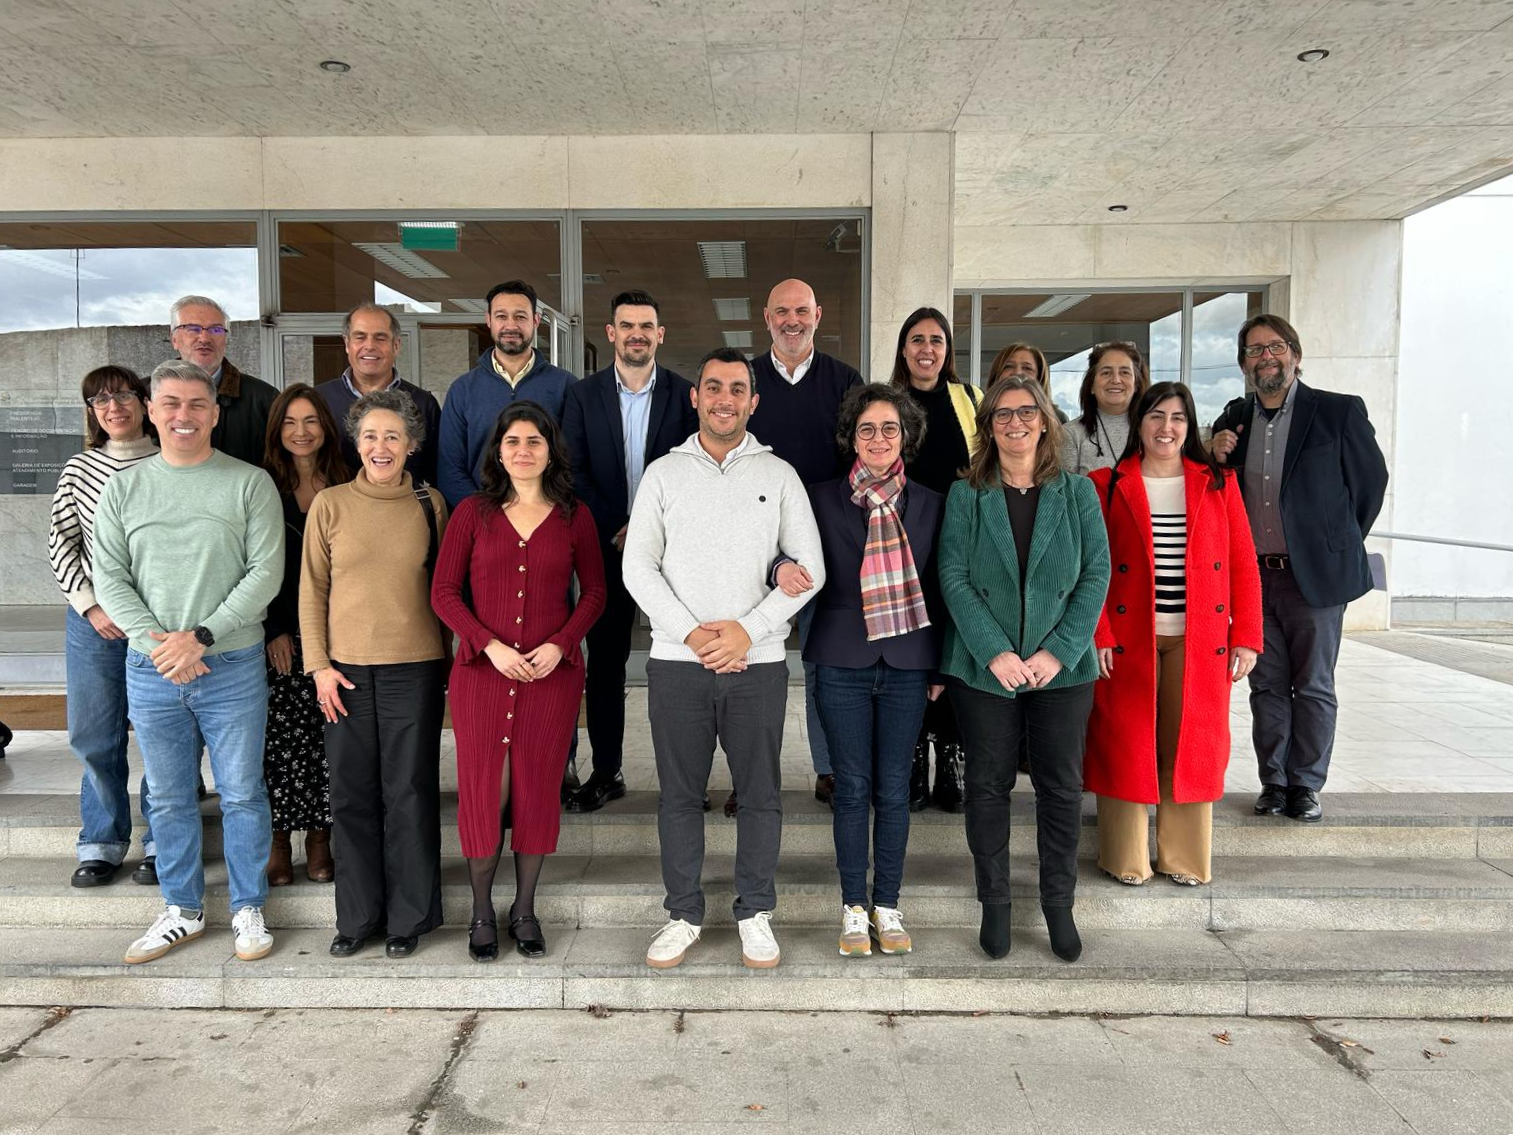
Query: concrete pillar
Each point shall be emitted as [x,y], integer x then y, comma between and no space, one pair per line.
[913,186]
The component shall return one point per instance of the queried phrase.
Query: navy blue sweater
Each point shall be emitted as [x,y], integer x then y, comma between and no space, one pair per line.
[798,419]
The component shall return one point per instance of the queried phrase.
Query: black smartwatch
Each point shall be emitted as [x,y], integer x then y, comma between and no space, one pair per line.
[203,636]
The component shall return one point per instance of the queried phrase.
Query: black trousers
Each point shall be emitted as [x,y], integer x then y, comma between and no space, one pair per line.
[385,758]
[604,684]
[1293,707]
[1053,725]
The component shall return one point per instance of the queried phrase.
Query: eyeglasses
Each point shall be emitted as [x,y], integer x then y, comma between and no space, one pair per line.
[1276,349]
[119,397]
[1125,345]
[867,431]
[1006,414]
[197,329]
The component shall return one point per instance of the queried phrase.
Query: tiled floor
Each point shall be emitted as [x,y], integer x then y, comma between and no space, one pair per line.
[1405,726]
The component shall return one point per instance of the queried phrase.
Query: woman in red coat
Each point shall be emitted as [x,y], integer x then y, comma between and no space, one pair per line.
[1182,623]
[502,583]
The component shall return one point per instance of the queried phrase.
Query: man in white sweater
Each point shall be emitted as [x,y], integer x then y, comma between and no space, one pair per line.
[708,521]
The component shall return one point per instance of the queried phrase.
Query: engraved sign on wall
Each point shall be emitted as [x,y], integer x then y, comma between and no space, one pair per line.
[35,441]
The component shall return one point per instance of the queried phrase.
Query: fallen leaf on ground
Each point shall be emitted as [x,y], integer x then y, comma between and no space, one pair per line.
[1445,1040]
[521,1085]
[1222,1038]
[1350,1044]
[756,1107]
[1430,1054]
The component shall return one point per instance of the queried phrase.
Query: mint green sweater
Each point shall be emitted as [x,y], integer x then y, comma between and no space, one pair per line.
[181,547]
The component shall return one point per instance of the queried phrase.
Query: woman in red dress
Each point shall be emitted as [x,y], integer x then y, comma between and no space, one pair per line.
[502,580]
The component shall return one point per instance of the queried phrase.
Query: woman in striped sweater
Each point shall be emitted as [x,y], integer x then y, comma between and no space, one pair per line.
[1181,625]
[119,436]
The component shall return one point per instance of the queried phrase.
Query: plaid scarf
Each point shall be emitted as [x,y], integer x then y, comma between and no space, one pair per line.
[892,601]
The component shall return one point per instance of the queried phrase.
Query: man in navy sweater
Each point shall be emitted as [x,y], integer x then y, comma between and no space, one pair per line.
[511,369]
[801,391]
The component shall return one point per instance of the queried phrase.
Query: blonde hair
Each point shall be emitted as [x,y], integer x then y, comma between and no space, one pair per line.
[982,470]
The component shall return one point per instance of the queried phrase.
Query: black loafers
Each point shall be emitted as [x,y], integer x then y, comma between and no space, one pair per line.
[1272,801]
[1303,805]
[94,873]
[344,947]
[529,942]
[147,872]
[596,793]
[486,951]
[401,945]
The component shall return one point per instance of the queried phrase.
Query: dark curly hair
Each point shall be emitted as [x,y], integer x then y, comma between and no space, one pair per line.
[855,404]
[556,482]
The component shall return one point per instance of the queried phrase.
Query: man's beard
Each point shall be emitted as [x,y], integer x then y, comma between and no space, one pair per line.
[513,347]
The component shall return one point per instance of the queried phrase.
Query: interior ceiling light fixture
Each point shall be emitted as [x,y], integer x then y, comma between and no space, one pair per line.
[1118,208]
[1313,55]
[1055,306]
[335,66]
[733,311]
[402,260]
[723,259]
[453,225]
[738,339]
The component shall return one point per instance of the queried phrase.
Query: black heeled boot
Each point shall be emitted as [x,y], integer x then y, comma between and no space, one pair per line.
[919,777]
[950,768]
[994,935]
[1066,943]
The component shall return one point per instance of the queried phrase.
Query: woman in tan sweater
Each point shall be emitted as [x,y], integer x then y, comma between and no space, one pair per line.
[374,648]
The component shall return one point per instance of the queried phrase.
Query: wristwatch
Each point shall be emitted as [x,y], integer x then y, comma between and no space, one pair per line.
[203,636]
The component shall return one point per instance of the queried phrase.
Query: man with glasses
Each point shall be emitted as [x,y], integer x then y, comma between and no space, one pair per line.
[200,334]
[1313,479]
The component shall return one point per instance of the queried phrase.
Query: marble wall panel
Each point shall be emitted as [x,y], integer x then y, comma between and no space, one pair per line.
[131,173]
[23,552]
[911,234]
[1179,251]
[1347,277]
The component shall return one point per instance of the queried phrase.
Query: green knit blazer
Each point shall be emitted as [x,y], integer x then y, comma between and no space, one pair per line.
[1067,580]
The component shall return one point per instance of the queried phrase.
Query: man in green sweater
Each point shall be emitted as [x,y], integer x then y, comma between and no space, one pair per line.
[189,550]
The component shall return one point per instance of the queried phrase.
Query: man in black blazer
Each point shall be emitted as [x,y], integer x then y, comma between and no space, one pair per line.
[617,422]
[1313,479]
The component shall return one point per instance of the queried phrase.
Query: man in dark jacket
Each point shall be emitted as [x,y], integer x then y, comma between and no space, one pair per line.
[511,369]
[1313,479]
[371,334]
[200,332]
[616,423]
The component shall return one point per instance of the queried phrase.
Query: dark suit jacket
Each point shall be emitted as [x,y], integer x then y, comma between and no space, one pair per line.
[596,439]
[838,636]
[1333,480]
[245,404]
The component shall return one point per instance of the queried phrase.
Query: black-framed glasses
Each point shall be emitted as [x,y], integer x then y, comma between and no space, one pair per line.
[1276,349]
[1006,414]
[119,397]
[215,329]
[867,430]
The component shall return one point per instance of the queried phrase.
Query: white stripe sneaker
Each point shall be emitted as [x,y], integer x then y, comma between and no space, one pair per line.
[171,928]
[252,938]
[759,949]
[671,944]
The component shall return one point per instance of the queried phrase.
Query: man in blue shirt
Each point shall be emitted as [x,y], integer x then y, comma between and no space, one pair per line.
[617,422]
[512,368]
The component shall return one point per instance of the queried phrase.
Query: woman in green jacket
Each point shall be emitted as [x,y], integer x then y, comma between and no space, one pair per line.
[1024,569]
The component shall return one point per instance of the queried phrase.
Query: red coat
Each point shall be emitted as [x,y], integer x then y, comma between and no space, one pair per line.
[1223,612]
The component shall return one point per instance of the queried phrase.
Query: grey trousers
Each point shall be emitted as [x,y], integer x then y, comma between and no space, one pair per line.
[692,708]
[1292,702]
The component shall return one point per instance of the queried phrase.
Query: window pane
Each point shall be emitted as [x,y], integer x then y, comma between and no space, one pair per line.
[712,278]
[78,295]
[1216,376]
[432,267]
[961,335]
[1065,325]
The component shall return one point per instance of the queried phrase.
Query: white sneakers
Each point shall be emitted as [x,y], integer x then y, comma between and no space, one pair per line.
[759,949]
[252,938]
[855,941]
[173,928]
[671,944]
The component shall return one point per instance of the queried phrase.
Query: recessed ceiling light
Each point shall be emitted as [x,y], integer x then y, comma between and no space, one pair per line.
[723,259]
[1055,305]
[1118,208]
[1312,55]
[335,66]
[737,339]
[735,310]
[401,259]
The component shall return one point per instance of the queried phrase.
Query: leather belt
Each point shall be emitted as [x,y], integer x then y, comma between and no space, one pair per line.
[1275,563]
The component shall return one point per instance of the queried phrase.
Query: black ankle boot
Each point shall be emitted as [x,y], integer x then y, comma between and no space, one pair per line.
[1066,943]
[950,767]
[994,935]
[919,777]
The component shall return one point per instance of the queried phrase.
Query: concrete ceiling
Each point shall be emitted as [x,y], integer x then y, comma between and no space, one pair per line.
[1182,110]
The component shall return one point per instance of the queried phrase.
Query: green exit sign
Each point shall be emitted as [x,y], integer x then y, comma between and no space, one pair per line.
[430,238]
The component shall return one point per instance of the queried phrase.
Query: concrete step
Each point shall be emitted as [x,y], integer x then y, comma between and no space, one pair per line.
[1393,825]
[1124,971]
[1248,892]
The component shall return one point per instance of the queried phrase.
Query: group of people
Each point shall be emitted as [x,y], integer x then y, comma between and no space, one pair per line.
[968,575]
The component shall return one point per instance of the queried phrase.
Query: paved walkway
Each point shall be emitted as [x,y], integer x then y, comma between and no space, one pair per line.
[130,1071]
[1406,725]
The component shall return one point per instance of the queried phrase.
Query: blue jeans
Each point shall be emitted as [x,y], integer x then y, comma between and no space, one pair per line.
[872,717]
[225,710]
[97,735]
[814,724]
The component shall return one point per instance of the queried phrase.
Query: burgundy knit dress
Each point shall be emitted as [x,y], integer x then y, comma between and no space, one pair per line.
[519,596]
